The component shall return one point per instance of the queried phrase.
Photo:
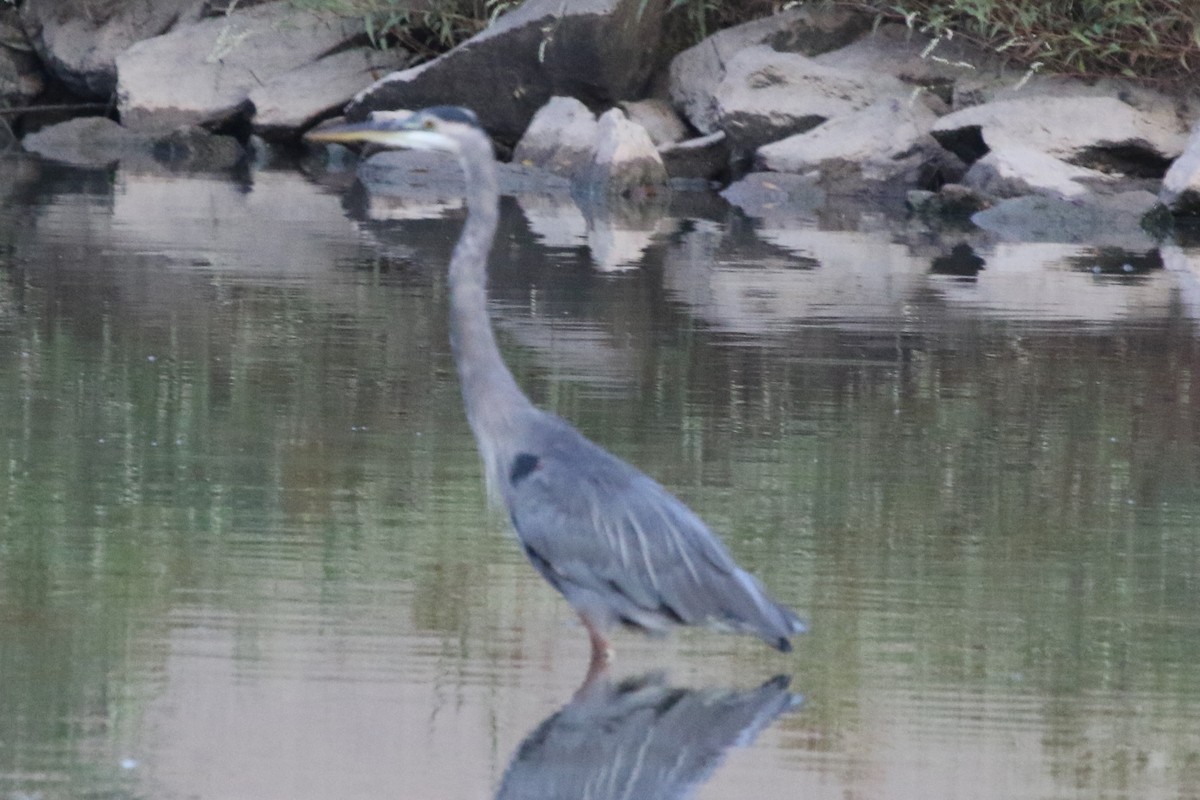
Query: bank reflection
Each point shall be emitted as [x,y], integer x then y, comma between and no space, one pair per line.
[639,737]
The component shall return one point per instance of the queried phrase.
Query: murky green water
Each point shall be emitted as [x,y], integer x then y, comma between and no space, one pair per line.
[245,551]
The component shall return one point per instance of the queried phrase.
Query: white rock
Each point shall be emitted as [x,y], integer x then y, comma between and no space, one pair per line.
[767,96]
[79,42]
[875,138]
[658,118]
[1013,170]
[1073,128]
[205,72]
[1181,185]
[294,100]
[696,73]
[626,163]
[561,137]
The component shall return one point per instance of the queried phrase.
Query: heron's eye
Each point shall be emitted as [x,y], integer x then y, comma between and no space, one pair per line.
[427,124]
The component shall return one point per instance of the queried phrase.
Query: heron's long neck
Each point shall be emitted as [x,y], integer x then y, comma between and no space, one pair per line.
[489,389]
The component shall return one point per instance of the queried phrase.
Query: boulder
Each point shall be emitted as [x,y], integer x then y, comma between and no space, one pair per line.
[882,138]
[627,164]
[1180,191]
[98,141]
[696,73]
[767,96]
[20,74]
[1012,170]
[204,73]
[290,103]
[1086,131]
[759,194]
[1095,220]
[79,45]
[658,118]
[561,138]
[916,60]
[600,51]
[705,157]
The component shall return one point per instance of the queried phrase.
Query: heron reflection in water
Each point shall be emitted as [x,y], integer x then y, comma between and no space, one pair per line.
[616,544]
[639,739]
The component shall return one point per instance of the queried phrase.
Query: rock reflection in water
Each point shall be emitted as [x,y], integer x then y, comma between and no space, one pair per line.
[639,738]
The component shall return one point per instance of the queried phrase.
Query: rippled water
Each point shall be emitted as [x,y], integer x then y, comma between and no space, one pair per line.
[245,550]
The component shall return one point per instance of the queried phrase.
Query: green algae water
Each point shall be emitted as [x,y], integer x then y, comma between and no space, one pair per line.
[245,549]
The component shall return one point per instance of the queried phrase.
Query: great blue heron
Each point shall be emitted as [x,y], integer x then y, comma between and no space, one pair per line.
[617,545]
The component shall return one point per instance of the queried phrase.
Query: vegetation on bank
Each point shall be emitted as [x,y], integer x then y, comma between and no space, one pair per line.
[1152,39]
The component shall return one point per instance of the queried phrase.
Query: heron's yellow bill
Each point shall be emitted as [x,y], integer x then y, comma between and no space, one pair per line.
[387,130]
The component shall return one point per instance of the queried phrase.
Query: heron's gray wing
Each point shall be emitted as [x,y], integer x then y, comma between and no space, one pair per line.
[600,528]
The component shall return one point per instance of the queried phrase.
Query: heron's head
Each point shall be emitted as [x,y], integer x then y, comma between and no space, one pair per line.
[443,128]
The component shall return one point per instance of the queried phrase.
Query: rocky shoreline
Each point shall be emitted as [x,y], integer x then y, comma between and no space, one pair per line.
[808,107]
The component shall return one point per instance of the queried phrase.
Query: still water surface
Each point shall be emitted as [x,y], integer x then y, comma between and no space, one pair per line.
[245,550]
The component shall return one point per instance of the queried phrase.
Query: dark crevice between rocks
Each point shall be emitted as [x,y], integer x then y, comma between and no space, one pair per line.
[966,142]
[1130,160]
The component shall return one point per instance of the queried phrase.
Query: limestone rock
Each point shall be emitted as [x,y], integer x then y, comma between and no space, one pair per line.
[561,138]
[696,73]
[599,51]
[627,163]
[880,138]
[204,73]
[79,43]
[293,101]
[767,96]
[916,60]
[1180,190]
[1012,170]
[658,118]
[1097,220]
[1087,131]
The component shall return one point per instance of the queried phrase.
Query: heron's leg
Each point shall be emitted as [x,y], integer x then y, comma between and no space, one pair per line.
[601,652]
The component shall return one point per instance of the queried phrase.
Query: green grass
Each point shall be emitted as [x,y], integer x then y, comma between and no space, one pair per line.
[1153,39]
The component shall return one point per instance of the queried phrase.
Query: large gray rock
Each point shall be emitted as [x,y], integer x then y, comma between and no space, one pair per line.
[696,73]
[658,118]
[98,141]
[293,101]
[79,42]
[1012,170]
[627,164]
[561,138]
[1180,189]
[759,194]
[1087,131]
[1097,220]
[204,73]
[600,51]
[880,139]
[767,96]
[916,60]
[20,74]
